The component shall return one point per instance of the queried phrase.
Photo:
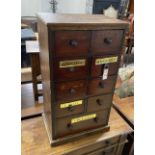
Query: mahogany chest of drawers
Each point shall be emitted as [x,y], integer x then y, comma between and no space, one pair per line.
[79,57]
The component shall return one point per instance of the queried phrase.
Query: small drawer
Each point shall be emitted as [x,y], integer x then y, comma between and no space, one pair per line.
[108,41]
[99,102]
[69,108]
[103,63]
[72,43]
[104,151]
[99,86]
[71,125]
[70,90]
[66,69]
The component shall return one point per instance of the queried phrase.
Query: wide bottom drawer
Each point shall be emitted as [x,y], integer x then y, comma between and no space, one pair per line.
[78,123]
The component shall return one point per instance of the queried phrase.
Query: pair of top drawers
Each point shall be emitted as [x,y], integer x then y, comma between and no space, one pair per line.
[80,43]
[81,68]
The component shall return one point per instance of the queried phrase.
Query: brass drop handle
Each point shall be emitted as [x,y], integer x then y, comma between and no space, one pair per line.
[72,91]
[71,69]
[96,119]
[70,108]
[107,41]
[101,84]
[73,43]
[69,125]
[98,101]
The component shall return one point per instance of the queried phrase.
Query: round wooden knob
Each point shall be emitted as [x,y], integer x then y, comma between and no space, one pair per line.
[69,125]
[96,119]
[73,43]
[107,142]
[70,108]
[101,84]
[71,69]
[107,40]
[72,91]
[98,101]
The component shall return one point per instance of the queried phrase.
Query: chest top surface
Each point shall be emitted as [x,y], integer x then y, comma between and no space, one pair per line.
[82,19]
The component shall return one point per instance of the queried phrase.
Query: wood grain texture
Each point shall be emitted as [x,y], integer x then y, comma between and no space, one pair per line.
[99,102]
[79,19]
[99,86]
[71,110]
[106,42]
[63,128]
[45,70]
[35,140]
[71,90]
[97,70]
[68,43]
[125,106]
[70,73]
[67,36]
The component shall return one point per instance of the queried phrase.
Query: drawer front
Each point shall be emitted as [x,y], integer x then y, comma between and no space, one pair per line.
[99,86]
[70,90]
[105,65]
[97,147]
[69,108]
[108,41]
[105,151]
[72,43]
[66,69]
[71,125]
[99,102]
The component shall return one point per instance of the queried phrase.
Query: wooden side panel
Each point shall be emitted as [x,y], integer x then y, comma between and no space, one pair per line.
[45,71]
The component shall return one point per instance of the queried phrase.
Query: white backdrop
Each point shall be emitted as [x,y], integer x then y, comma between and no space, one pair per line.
[31,7]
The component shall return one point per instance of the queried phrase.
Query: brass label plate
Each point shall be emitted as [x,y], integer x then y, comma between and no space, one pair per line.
[72,63]
[75,103]
[83,118]
[100,61]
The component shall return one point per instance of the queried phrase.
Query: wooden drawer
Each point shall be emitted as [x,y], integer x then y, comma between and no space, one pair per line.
[98,146]
[63,109]
[70,90]
[99,86]
[66,69]
[100,64]
[99,102]
[72,43]
[108,41]
[71,125]
[105,151]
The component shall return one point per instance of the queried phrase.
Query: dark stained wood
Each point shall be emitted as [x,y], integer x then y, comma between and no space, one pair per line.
[80,21]
[32,48]
[97,70]
[69,37]
[35,63]
[106,42]
[71,90]
[131,6]
[45,71]
[99,102]
[35,140]
[64,126]
[68,111]
[70,73]
[99,86]
[68,43]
